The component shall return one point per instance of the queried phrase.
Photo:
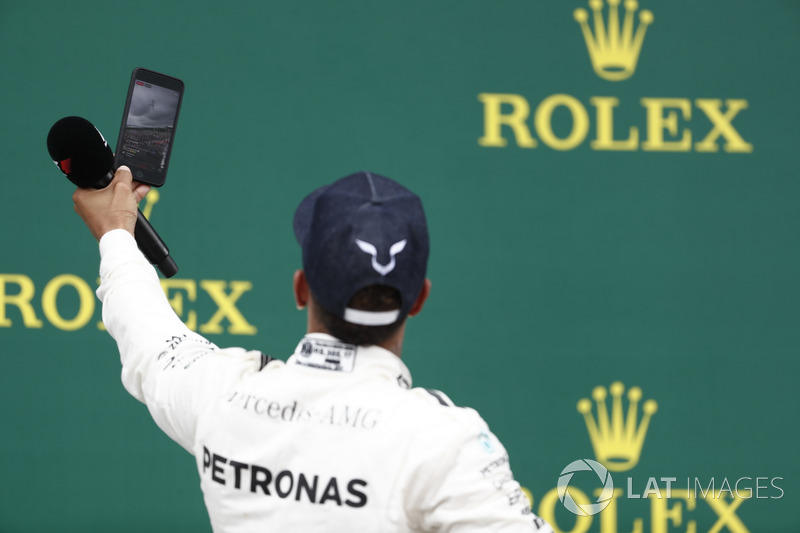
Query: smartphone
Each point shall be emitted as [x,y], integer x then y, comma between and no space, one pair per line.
[148,125]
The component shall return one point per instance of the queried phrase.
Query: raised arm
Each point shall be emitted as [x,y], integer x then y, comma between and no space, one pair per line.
[164,364]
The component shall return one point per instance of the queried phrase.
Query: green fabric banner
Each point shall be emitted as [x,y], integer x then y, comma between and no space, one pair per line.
[611,189]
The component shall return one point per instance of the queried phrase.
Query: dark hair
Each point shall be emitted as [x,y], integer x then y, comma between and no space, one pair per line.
[371,298]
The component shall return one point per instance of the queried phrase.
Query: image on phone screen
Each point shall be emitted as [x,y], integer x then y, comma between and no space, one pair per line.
[148,130]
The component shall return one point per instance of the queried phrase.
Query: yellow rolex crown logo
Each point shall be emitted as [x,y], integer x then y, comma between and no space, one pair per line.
[617,441]
[150,200]
[614,51]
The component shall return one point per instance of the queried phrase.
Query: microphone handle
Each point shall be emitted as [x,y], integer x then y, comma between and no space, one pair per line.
[153,247]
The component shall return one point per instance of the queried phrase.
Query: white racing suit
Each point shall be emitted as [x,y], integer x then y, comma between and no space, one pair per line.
[334,439]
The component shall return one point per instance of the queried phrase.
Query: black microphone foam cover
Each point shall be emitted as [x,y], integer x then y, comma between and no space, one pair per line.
[81,152]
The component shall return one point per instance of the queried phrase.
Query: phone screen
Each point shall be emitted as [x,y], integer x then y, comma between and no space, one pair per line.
[148,127]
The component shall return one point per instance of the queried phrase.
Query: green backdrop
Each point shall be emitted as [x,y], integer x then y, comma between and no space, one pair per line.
[585,231]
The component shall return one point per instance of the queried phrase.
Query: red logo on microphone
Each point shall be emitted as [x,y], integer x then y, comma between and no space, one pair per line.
[66,166]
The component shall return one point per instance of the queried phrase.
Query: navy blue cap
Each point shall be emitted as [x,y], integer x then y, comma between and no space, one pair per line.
[363,230]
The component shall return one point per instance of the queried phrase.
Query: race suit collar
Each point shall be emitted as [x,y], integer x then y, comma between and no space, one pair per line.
[320,350]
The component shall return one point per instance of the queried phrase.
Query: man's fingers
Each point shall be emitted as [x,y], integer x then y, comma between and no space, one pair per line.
[140,190]
[124,177]
[123,174]
[113,207]
[78,194]
[123,180]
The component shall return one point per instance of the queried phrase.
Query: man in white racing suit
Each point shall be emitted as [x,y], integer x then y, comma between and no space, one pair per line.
[335,438]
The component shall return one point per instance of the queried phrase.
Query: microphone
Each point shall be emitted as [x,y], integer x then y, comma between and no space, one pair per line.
[79,150]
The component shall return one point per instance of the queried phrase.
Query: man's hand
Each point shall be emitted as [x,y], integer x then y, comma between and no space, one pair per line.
[114,207]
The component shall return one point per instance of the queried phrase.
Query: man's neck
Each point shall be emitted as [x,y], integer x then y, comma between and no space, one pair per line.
[314,325]
[394,343]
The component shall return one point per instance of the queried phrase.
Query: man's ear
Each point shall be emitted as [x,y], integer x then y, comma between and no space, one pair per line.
[423,296]
[301,290]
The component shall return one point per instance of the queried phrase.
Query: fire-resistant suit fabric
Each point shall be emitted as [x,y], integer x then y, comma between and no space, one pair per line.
[334,439]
